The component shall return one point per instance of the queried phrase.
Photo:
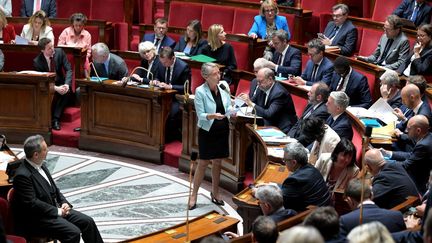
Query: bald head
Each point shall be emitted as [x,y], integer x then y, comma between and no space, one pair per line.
[374,160]
[418,127]
[411,96]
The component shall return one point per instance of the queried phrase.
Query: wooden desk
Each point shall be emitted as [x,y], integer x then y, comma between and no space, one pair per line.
[247,205]
[200,227]
[25,105]
[126,121]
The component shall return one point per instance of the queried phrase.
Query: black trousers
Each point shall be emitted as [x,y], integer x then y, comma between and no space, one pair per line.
[59,104]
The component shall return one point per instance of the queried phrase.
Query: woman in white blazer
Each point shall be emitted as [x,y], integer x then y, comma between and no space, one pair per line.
[212,105]
[37,28]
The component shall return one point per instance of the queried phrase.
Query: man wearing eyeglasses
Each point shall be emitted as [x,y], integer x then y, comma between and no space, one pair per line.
[340,33]
[159,37]
[393,47]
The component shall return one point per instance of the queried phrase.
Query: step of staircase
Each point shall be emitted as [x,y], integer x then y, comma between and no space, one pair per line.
[172,153]
[71,114]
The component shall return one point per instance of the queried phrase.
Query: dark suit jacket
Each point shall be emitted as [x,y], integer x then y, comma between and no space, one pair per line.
[324,73]
[396,101]
[181,73]
[117,68]
[154,70]
[295,132]
[166,41]
[282,214]
[346,37]
[417,163]
[423,110]
[63,68]
[49,6]
[291,64]
[195,50]
[392,186]
[305,187]
[342,126]
[279,110]
[357,89]
[406,8]
[422,65]
[392,220]
[34,196]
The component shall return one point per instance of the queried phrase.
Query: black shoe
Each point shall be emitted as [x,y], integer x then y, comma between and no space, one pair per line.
[77,129]
[216,201]
[56,125]
[192,207]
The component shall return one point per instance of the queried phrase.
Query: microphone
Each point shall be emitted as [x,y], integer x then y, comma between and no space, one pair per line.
[224,88]
[193,158]
[186,91]
[365,143]
[94,70]
[133,71]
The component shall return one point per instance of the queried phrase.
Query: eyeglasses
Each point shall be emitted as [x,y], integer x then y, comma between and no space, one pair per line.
[336,16]
[285,160]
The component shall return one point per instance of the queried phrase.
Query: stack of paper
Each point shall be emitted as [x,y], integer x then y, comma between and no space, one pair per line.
[380,110]
[385,132]
[276,152]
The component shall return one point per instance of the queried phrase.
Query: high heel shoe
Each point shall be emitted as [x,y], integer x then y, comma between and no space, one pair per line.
[216,201]
[192,207]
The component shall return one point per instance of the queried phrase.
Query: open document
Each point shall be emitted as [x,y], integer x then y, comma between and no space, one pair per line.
[380,110]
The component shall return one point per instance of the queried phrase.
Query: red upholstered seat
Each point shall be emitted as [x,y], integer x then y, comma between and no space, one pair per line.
[305,58]
[318,8]
[243,87]
[66,8]
[357,141]
[132,63]
[243,20]
[384,8]
[299,104]
[369,44]
[212,14]
[16,8]
[241,52]
[197,79]
[290,21]
[371,81]
[182,12]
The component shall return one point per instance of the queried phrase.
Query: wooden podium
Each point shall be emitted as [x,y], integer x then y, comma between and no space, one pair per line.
[127,121]
[25,105]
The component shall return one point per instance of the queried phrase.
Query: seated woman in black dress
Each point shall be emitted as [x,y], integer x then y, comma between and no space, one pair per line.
[420,62]
[212,105]
[220,50]
[149,61]
[192,43]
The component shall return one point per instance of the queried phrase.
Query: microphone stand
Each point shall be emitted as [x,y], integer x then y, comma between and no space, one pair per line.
[194,156]
[133,71]
[366,139]
[186,91]
[97,75]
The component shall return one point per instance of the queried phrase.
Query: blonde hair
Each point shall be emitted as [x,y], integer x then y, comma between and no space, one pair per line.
[268,3]
[3,18]
[146,46]
[212,36]
[42,15]
[373,232]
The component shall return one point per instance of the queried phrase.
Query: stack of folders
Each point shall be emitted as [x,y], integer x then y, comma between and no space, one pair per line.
[273,136]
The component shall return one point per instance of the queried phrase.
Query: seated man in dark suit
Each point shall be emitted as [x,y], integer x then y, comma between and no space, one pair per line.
[391,184]
[286,59]
[48,6]
[172,74]
[39,208]
[305,185]
[257,65]
[393,220]
[316,107]
[418,11]
[272,102]
[271,202]
[339,120]
[159,37]
[318,67]
[55,60]
[417,162]
[354,84]
[107,65]
[340,32]
[393,47]
[326,221]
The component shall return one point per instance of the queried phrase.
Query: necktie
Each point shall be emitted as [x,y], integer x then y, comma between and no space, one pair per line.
[308,113]
[386,50]
[279,59]
[265,99]
[38,5]
[314,73]
[157,41]
[341,84]
[330,121]
[52,65]
[414,14]
[106,69]
[334,31]
[168,75]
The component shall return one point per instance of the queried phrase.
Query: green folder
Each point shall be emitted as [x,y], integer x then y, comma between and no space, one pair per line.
[202,58]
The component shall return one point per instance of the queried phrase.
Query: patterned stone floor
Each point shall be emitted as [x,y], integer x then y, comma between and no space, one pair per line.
[126,200]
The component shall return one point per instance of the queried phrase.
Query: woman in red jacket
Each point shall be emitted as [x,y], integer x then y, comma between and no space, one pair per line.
[7,32]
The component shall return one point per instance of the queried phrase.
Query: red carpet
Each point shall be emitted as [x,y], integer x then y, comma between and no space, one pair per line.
[172,153]
[66,136]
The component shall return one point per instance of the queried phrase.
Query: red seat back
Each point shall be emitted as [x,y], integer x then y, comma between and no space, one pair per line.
[369,41]
[66,8]
[110,10]
[300,104]
[318,7]
[359,37]
[241,52]
[197,79]
[213,14]
[357,141]
[181,13]
[290,21]
[384,8]
[305,59]
[243,87]
[243,20]
[16,8]
[371,82]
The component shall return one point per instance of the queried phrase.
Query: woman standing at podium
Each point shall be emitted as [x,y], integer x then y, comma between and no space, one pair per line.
[212,104]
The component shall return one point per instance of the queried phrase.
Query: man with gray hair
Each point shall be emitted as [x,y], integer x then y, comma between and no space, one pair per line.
[340,33]
[107,65]
[286,59]
[305,185]
[318,67]
[271,202]
[257,65]
[272,102]
[339,120]
[389,88]
[393,47]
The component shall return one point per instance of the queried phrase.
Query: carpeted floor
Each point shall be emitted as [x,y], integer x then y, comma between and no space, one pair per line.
[126,198]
